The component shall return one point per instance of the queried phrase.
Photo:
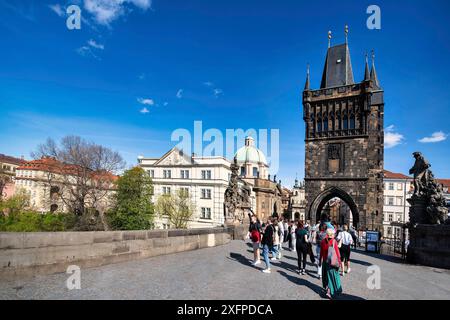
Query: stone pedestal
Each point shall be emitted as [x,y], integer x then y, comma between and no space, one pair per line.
[429,245]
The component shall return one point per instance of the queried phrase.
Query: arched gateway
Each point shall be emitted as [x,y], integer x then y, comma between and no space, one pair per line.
[344,141]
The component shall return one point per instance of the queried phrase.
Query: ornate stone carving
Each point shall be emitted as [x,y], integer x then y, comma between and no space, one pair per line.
[428,205]
[237,197]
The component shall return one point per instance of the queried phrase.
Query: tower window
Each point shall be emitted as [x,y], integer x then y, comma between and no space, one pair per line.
[352,121]
[345,122]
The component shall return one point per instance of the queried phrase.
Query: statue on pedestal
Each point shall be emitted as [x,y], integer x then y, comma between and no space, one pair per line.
[428,205]
[237,197]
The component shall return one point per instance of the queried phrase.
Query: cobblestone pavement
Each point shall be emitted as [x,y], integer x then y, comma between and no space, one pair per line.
[225,273]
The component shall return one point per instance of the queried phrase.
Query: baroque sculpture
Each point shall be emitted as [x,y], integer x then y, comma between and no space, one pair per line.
[237,197]
[428,205]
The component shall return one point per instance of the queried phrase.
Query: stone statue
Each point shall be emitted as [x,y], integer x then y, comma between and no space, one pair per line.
[428,204]
[419,170]
[274,178]
[237,197]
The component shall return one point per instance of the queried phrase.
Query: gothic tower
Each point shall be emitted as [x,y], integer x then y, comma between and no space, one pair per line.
[344,140]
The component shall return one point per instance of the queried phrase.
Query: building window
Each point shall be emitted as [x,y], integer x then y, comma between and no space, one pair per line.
[391,217]
[319,124]
[352,121]
[399,186]
[151,173]
[206,174]
[184,174]
[255,171]
[391,186]
[167,174]
[166,190]
[345,122]
[389,230]
[206,213]
[325,123]
[390,201]
[184,191]
[206,193]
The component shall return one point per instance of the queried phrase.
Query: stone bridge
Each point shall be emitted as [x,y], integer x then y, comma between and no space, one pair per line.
[225,272]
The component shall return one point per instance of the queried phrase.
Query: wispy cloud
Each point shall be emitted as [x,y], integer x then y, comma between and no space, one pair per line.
[180,93]
[144,110]
[392,138]
[89,49]
[165,104]
[146,101]
[435,137]
[142,76]
[56,8]
[105,12]
[216,91]
[96,45]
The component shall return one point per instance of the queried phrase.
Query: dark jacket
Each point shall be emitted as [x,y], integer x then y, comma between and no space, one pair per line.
[268,236]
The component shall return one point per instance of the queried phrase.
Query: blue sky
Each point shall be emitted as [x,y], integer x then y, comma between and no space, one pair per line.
[238,64]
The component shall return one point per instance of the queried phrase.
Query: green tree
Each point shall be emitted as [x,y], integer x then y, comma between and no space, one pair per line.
[177,208]
[133,201]
[15,204]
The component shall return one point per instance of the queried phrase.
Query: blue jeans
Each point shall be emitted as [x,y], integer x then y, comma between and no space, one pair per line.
[275,251]
[266,255]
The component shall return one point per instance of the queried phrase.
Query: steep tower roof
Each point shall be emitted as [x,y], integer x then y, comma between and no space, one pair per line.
[338,67]
[373,73]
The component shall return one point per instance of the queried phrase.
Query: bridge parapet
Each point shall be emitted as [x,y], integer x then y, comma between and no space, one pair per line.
[24,254]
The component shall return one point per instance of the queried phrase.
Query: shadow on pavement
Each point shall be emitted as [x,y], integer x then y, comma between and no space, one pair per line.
[242,259]
[303,282]
[364,263]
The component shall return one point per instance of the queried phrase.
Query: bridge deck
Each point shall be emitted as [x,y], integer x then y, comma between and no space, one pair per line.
[225,273]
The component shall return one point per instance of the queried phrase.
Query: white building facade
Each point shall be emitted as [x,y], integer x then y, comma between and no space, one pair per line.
[397,189]
[205,180]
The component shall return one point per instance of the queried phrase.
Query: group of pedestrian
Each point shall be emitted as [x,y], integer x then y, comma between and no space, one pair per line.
[332,247]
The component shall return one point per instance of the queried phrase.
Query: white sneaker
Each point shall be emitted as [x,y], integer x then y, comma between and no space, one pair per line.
[266,271]
[257,262]
[273,259]
[348,270]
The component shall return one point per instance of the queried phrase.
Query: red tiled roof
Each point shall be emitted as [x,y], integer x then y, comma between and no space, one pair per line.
[394,175]
[12,160]
[52,165]
[445,182]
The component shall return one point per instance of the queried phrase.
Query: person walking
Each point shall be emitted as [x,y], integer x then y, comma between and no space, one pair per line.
[276,254]
[281,233]
[286,231]
[301,235]
[267,243]
[345,241]
[292,243]
[320,235]
[254,233]
[331,260]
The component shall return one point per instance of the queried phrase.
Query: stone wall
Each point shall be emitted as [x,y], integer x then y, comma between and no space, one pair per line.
[31,253]
[430,246]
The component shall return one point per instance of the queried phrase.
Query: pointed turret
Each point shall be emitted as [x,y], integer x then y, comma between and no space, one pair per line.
[307,82]
[373,72]
[366,71]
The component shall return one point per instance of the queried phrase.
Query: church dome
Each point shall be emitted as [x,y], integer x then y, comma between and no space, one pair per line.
[250,154]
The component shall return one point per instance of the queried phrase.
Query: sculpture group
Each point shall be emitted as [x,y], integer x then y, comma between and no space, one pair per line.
[237,197]
[428,204]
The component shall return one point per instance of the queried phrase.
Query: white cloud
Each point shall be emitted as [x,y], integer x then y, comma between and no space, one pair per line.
[144,110]
[85,51]
[165,104]
[56,8]
[208,84]
[106,11]
[146,101]
[392,138]
[141,76]
[180,94]
[96,45]
[217,92]
[435,137]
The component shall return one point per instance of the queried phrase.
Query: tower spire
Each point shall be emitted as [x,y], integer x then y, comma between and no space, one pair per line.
[373,72]
[366,71]
[307,83]
[346,33]
[329,38]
